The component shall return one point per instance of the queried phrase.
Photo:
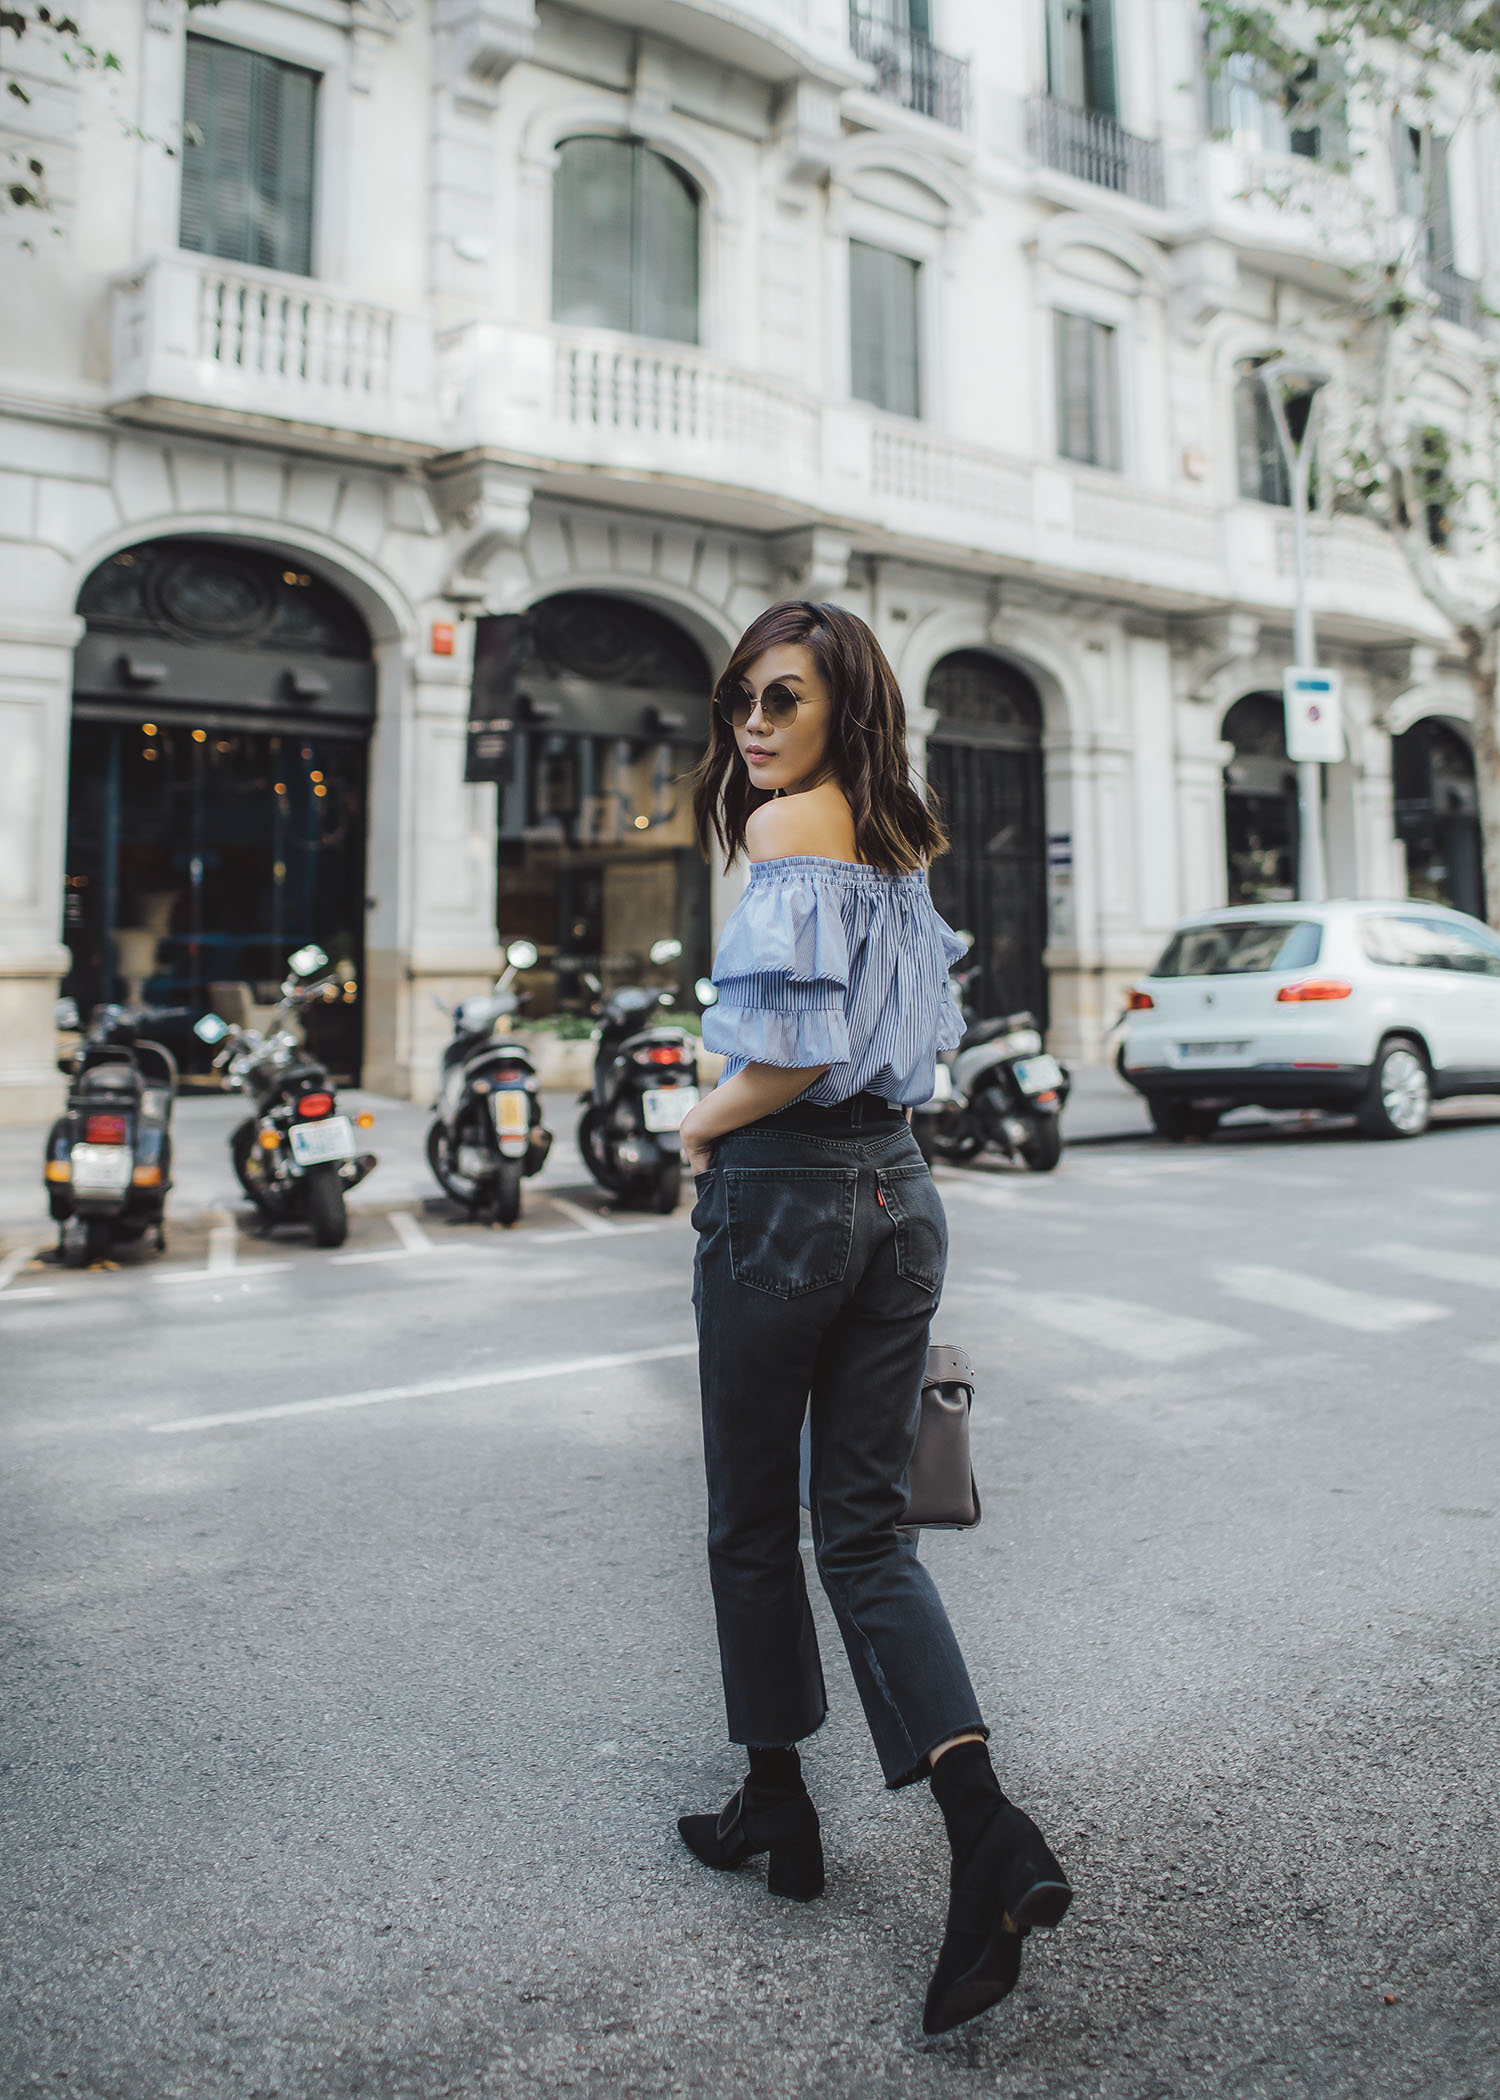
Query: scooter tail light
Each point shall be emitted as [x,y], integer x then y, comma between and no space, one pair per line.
[1314,989]
[311,1106]
[146,1178]
[660,1054]
[1140,1002]
[106,1130]
[58,1170]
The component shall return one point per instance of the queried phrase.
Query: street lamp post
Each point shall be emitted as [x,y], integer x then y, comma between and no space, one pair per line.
[1294,391]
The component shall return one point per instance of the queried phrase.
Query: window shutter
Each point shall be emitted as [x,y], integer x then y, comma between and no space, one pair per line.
[285,142]
[665,293]
[919,17]
[884,335]
[592,224]
[1102,91]
[247,189]
[1439,204]
[1072,386]
[1104,396]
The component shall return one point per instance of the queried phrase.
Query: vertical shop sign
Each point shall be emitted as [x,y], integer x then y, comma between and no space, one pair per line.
[490,754]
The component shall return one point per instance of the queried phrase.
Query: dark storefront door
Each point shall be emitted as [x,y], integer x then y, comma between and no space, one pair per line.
[1260,803]
[216,813]
[1437,816]
[984,762]
[597,858]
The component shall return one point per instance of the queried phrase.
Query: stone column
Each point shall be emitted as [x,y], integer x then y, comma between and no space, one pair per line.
[36,702]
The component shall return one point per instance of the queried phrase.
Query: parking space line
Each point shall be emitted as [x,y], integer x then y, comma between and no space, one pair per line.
[234,1272]
[430,1388]
[589,1220]
[409,1231]
[223,1245]
[1316,1299]
[36,1290]
[17,1259]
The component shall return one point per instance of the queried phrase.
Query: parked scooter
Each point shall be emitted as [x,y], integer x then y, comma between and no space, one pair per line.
[109,1155]
[487,1134]
[999,1088]
[296,1156]
[645,1081]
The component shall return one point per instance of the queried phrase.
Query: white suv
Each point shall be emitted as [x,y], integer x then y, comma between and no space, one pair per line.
[1361,1007]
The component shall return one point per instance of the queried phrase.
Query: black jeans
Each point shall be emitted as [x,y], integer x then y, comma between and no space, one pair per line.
[821,1248]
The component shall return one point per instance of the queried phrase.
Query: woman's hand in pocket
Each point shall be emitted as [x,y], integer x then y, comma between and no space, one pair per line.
[698,1151]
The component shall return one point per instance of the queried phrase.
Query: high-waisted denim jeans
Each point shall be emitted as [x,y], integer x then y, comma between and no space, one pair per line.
[821,1248]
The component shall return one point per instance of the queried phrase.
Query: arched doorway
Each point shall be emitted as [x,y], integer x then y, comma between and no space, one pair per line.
[597,857]
[984,761]
[1437,815]
[223,701]
[1260,803]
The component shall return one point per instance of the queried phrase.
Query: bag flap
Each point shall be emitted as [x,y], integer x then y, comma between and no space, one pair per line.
[947,1364]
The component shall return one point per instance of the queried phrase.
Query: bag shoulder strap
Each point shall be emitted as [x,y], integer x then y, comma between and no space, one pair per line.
[947,1364]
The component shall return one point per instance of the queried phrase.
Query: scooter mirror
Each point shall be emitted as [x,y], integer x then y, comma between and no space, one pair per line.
[962,933]
[665,951]
[210,1029]
[521,955]
[65,1015]
[307,960]
[705,991]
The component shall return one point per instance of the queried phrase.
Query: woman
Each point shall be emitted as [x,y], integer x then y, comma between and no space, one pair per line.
[820,1258]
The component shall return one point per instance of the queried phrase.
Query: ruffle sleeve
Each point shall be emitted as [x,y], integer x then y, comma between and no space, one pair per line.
[782,974]
[950,1026]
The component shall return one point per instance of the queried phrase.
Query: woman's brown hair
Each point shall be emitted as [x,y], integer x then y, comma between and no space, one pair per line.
[896,824]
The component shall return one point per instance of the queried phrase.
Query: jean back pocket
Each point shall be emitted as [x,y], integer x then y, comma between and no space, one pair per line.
[915,1209]
[790,1228]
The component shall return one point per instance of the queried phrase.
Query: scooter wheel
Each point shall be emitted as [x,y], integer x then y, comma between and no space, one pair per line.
[668,1188]
[449,1180]
[82,1244]
[508,1192]
[1043,1149]
[325,1208]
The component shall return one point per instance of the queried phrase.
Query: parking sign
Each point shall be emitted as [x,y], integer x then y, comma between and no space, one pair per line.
[1314,717]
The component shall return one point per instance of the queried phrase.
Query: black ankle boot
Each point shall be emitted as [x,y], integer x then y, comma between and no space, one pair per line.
[770,1812]
[1004,1882]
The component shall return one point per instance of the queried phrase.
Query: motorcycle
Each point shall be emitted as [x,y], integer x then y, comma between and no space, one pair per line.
[108,1162]
[999,1088]
[645,1081]
[487,1133]
[295,1156]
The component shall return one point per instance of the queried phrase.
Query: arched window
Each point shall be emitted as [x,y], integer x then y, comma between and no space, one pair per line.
[624,240]
[1437,816]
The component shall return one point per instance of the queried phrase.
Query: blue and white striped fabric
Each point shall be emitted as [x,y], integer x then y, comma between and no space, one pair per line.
[825,963]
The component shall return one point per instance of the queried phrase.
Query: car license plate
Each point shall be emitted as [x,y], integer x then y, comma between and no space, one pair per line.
[102,1169]
[313,1144]
[1210,1053]
[1035,1075]
[664,1107]
[511,1109]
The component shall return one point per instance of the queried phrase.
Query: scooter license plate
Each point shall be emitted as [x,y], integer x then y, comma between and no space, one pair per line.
[101,1170]
[1035,1075]
[314,1144]
[665,1107]
[511,1108]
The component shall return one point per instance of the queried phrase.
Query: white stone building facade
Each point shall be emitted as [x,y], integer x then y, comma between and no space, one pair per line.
[683,305]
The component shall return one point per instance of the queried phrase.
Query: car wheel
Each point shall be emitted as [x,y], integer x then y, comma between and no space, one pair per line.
[1179,1120]
[1399,1103]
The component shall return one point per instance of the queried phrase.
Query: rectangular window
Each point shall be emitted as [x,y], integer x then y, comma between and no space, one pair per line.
[1263,474]
[248,157]
[1081,54]
[885,365]
[1088,416]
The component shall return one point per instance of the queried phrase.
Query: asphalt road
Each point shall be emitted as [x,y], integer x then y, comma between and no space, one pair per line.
[359,1658]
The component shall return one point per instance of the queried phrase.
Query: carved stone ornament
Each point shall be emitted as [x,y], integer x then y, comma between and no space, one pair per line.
[215,591]
[479,41]
[1213,655]
[491,509]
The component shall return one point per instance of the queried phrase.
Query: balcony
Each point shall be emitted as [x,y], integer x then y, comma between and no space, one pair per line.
[1092,147]
[202,343]
[1457,296]
[909,70]
[773,40]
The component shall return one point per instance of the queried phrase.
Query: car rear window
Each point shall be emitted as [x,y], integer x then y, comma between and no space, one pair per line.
[1241,947]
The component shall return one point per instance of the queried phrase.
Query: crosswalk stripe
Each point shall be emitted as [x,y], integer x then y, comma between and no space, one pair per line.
[1123,1328]
[1443,1264]
[1359,1311]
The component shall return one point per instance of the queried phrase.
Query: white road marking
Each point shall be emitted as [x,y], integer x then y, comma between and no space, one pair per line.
[223,1246]
[1315,1299]
[1442,1264]
[230,1270]
[474,1381]
[589,1220]
[1122,1327]
[1489,1353]
[17,1259]
[39,1290]
[410,1231]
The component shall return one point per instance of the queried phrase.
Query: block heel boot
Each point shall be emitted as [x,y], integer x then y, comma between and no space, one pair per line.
[771,1812]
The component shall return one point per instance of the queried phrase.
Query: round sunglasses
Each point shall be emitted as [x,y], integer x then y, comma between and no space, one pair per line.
[778,703]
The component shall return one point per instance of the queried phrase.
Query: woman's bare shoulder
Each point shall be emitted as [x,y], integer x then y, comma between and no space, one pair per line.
[817,824]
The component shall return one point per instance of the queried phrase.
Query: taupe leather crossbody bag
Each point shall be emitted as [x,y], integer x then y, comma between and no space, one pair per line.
[941,1491]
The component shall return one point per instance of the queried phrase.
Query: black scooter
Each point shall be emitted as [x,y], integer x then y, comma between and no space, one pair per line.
[645,1081]
[999,1088]
[487,1134]
[109,1155]
[295,1157]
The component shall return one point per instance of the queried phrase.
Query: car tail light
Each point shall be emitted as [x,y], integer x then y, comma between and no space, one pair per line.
[106,1130]
[313,1105]
[1139,1002]
[1313,989]
[660,1054]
